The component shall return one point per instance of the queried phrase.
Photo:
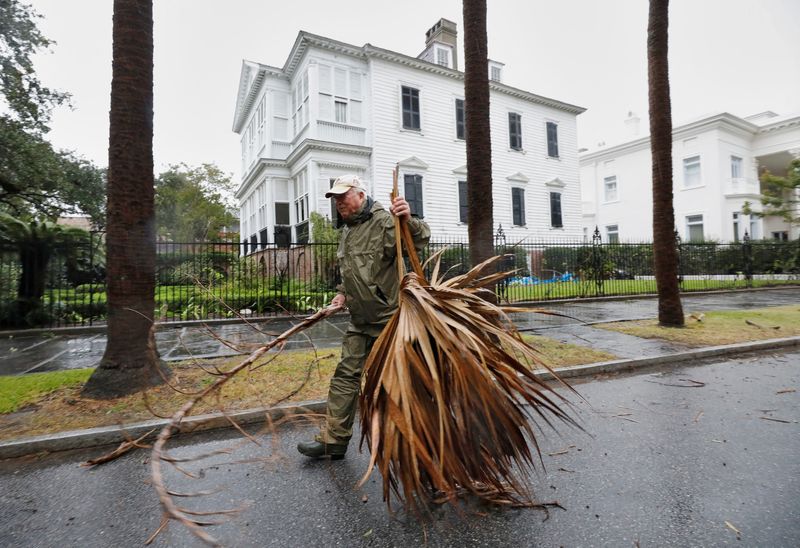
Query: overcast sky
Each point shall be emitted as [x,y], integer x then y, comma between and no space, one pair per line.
[739,56]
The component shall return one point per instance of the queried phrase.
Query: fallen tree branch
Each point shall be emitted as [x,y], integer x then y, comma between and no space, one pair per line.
[171,510]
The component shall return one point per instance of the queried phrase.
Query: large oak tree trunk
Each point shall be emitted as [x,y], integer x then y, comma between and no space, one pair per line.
[479,144]
[131,362]
[665,253]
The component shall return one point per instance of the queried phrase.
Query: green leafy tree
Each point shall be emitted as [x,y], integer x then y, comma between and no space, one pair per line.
[192,203]
[34,178]
[325,238]
[36,243]
[779,195]
[39,181]
[28,101]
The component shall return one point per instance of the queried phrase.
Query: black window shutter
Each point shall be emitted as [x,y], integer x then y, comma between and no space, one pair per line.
[552,139]
[460,133]
[462,201]
[413,193]
[518,206]
[555,210]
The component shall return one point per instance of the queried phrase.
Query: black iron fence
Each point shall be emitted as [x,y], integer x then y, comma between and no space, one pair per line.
[200,281]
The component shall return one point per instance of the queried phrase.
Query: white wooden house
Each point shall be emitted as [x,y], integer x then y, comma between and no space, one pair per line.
[336,108]
[716,165]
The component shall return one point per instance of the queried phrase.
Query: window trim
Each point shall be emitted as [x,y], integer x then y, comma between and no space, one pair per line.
[688,224]
[737,161]
[700,171]
[606,199]
[609,232]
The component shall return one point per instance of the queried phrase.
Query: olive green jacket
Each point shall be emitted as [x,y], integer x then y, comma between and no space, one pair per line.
[366,258]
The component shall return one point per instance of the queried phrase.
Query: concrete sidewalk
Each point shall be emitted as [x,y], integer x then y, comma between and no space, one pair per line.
[36,353]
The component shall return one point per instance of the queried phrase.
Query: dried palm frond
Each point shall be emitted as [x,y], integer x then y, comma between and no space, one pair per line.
[450,402]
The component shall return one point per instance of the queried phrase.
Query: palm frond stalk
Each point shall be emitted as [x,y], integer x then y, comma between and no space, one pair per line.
[450,403]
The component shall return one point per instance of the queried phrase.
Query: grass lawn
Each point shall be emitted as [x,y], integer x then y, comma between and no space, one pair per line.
[721,327]
[569,290]
[50,402]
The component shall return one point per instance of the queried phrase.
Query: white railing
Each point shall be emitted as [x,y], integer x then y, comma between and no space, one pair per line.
[742,185]
[340,133]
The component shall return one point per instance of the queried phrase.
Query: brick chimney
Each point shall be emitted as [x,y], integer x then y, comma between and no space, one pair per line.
[441,36]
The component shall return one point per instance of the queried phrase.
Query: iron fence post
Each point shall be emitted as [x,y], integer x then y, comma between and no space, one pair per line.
[747,255]
[597,261]
[679,247]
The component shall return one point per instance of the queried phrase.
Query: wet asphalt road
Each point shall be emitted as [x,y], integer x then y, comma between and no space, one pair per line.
[661,465]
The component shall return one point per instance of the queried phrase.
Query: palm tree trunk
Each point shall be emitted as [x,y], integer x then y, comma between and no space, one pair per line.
[478,138]
[665,253]
[131,361]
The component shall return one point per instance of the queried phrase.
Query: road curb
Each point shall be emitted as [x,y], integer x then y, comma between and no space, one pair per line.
[80,439]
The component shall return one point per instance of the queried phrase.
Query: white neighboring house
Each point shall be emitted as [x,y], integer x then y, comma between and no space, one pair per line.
[716,165]
[335,108]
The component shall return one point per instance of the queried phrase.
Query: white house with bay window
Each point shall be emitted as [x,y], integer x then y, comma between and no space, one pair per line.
[716,161]
[336,108]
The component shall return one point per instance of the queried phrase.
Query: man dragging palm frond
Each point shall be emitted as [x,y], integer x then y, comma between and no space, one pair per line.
[367,261]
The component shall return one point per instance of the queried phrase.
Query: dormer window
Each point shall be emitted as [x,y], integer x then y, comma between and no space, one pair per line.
[442,55]
[495,71]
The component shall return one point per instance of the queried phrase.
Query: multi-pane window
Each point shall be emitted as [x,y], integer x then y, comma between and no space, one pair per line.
[495,73]
[340,108]
[610,188]
[261,111]
[515,130]
[443,57]
[410,100]
[280,116]
[694,228]
[413,193]
[518,206]
[301,197]
[339,95]
[552,139]
[612,234]
[462,201]
[300,103]
[301,233]
[781,236]
[691,171]
[736,167]
[755,228]
[460,125]
[555,210]
[282,211]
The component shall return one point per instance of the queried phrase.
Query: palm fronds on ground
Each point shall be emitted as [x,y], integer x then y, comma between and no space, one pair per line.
[450,403]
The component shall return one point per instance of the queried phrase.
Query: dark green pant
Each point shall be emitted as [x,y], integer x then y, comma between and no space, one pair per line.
[344,389]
